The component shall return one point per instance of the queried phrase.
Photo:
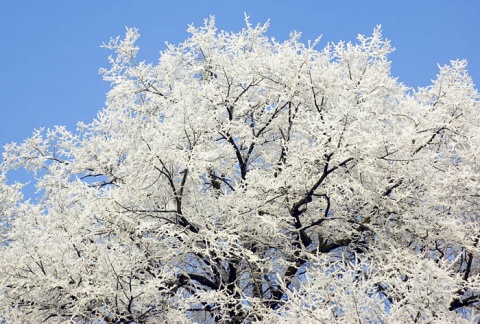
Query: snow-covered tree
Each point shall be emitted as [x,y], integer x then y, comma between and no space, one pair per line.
[241,179]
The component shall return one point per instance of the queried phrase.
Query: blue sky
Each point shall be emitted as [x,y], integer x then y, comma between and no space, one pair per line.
[50,50]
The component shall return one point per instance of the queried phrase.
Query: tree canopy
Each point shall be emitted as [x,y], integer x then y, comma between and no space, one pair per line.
[241,179]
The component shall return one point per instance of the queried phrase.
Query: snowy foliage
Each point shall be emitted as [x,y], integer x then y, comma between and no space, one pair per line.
[242,179]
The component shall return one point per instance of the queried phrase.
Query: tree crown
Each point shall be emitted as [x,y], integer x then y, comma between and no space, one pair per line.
[243,179]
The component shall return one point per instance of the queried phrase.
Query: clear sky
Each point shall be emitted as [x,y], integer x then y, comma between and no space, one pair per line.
[50,50]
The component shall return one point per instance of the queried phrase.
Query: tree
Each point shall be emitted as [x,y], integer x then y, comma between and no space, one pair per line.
[243,179]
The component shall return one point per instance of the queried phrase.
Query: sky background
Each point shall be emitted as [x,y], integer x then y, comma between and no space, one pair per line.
[50,50]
